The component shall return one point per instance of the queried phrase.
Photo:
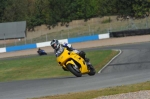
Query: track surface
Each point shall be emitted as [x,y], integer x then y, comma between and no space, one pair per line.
[131,66]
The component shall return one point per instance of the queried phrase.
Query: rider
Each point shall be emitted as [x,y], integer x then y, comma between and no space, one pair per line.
[58,47]
[41,52]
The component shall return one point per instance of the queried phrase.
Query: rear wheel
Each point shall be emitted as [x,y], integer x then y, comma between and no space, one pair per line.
[74,70]
[92,70]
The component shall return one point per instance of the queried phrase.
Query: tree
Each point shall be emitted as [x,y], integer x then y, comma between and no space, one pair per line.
[3,6]
[59,11]
[86,9]
[36,13]
[106,7]
[65,11]
[132,8]
[15,10]
[41,7]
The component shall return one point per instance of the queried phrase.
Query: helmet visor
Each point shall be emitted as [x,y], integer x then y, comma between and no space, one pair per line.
[55,46]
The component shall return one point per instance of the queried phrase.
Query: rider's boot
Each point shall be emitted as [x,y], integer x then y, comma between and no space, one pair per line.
[88,62]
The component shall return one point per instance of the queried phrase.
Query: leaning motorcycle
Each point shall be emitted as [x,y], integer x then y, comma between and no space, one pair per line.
[70,61]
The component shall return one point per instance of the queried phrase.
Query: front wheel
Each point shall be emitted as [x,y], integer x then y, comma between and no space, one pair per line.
[92,70]
[74,70]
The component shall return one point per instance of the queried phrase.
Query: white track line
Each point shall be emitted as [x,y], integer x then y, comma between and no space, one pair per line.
[111,59]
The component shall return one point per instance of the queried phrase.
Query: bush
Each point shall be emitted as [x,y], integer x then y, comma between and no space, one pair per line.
[107,20]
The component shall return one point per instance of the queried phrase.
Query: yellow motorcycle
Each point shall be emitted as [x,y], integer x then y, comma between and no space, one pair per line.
[71,61]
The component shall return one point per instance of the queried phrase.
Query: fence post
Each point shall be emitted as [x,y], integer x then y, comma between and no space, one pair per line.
[68,33]
[89,29]
[25,38]
[4,41]
[146,22]
[46,36]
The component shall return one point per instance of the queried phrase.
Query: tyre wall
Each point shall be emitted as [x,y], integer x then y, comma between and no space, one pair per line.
[130,33]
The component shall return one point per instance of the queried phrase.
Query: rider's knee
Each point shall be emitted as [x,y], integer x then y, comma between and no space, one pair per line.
[82,54]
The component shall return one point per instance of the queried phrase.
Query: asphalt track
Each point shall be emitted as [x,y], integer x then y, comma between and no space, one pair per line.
[131,66]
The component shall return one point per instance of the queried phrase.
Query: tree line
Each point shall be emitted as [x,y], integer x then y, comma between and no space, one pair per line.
[50,12]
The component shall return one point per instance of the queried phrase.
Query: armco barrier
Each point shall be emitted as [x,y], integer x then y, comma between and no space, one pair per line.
[83,39]
[21,47]
[2,50]
[104,36]
[44,44]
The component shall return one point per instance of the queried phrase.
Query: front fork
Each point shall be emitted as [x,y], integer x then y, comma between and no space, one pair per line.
[74,65]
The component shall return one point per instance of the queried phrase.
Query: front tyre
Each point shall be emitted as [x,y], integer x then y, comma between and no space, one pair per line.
[73,70]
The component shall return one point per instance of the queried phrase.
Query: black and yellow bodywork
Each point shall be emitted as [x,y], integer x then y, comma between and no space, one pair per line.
[66,58]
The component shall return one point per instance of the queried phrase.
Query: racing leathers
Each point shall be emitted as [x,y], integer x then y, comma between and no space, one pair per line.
[70,48]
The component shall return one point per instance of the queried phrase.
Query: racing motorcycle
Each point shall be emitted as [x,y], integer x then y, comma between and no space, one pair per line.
[71,61]
[41,52]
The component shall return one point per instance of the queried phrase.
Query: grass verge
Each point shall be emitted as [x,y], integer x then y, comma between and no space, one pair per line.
[46,66]
[102,92]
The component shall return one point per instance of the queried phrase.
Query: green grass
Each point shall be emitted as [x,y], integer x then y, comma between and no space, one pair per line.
[99,63]
[102,92]
[45,66]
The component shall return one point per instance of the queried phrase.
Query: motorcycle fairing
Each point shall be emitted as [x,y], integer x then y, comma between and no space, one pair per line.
[68,57]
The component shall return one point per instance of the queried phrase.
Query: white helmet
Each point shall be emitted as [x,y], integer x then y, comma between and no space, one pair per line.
[55,44]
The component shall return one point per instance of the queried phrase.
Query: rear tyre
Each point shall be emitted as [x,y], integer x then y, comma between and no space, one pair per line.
[92,70]
[73,70]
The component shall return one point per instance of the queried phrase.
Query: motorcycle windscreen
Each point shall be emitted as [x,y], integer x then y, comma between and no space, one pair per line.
[63,57]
